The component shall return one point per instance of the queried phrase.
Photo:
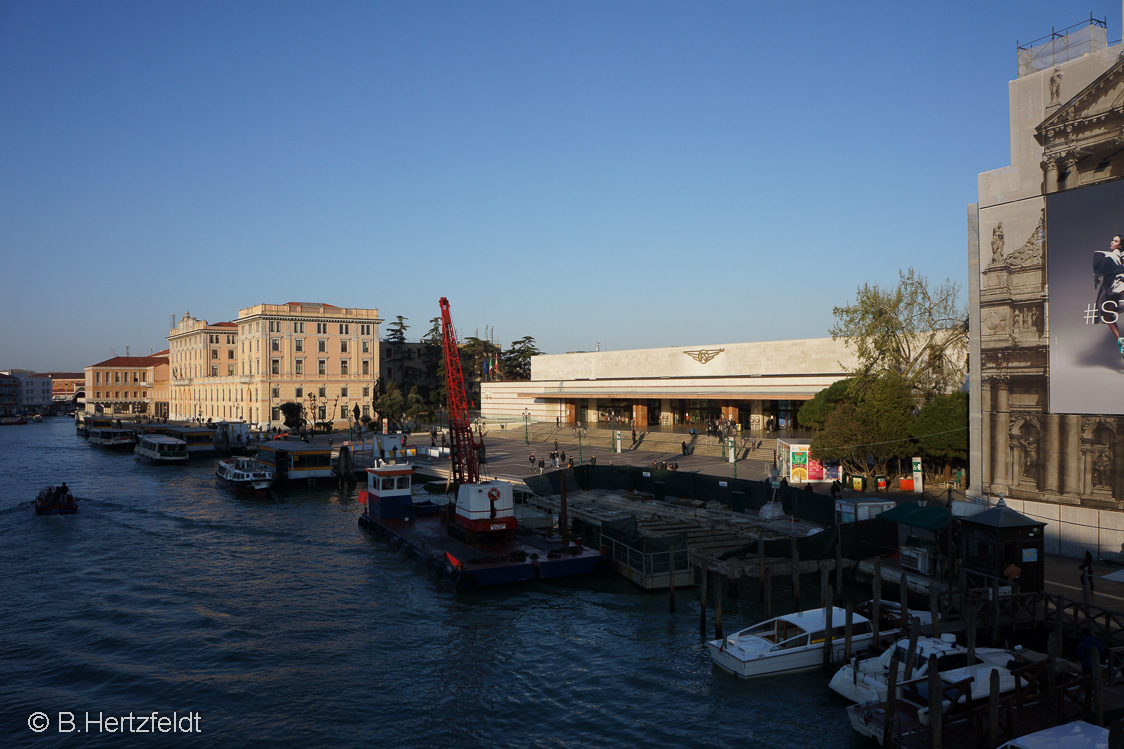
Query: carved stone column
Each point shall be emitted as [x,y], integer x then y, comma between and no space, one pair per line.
[1052,455]
[1050,167]
[1071,454]
[986,468]
[1002,436]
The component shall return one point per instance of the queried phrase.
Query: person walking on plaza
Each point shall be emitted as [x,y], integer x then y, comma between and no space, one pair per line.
[532,460]
[836,489]
[1087,572]
[634,438]
[593,460]
[684,447]
[541,465]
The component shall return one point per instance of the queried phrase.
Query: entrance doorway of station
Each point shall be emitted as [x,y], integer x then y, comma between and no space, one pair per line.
[695,411]
[653,412]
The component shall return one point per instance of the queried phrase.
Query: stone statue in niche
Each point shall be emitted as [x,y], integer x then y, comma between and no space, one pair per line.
[1030,458]
[997,244]
[1056,87]
[1102,468]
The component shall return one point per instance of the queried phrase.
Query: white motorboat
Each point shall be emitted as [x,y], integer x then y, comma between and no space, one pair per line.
[865,679]
[784,644]
[1074,735]
[113,438]
[160,448]
[243,473]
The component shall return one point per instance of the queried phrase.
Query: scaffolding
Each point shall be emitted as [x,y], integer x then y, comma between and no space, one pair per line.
[1061,45]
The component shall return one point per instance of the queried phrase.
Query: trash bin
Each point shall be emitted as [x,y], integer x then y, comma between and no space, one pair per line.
[881,483]
[905,484]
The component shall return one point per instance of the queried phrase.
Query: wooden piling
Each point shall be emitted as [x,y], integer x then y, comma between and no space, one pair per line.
[795,575]
[891,701]
[838,568]
[827,599]
[671,578]
[935,611]
[704,573]
[761,565]
[911,654]
[1051,663]
[904,591]
[993,711]
[823,579]
[876,602]
[719,580]
[767,590]
[1098,691]
[847,628]
[936,705]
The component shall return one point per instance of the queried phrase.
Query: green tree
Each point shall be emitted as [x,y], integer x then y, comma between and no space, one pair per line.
[415,406]
[913,330]
[813,413]
[390,404]
[294,414]
[433,357]
[872,425]
[397,332]
[941,431]
[516,361]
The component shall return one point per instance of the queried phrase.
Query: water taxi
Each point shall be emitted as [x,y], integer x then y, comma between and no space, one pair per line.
[199,440]
[243,473]
[160,448]
[50,501]
[296,462]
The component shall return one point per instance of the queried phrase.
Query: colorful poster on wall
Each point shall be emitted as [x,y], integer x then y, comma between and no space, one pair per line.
[815,470]
[800,465]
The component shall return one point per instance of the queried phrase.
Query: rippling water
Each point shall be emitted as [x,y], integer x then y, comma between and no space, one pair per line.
[281,623]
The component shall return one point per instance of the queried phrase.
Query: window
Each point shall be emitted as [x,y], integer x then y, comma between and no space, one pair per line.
[322,413]
[116,378]
[344,328]
[343,391]
[230,353]
[214,353]
[144,376]
[230,339]
[275,392]
[298,327]
[364,329]
[274,326]
[366,391]
[275,366]
[366,347]
[97,378]
[298,344]
[298,366]
[229,370]
[367,411]
[214,370]
[322,346]
[343,366]
[274,344]
[322,328]
[343,345]
[322,367]
[276,413]
[300,393]
[343,412]
[323,392]
[366,366]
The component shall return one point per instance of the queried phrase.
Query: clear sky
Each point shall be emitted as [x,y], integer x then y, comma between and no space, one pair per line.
[639,174]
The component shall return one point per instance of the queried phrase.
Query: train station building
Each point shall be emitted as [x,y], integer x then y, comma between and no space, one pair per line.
[754,384]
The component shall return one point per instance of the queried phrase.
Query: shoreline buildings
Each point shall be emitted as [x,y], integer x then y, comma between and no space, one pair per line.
[1047,406]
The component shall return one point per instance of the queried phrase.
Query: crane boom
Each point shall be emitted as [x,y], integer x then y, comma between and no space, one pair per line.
[466,470]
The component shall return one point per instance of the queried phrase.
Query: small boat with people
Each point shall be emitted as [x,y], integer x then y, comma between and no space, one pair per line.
[160,448]
[243,473]
[55,500]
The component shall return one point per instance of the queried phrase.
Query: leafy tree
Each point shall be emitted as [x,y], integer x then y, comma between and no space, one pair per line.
[433,357]
[814,412]
[474,352]
[941,431]
[874,423]
[517,359]
[913,330]
[390,404]
[397,332]
[293,413]
[415,406]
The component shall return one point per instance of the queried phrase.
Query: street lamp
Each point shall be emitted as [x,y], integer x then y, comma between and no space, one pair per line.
[526,427]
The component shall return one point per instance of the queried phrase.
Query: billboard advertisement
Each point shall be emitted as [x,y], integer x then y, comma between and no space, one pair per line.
[1085,272]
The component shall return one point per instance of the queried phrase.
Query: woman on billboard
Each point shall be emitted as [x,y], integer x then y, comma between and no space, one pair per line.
[1108,274]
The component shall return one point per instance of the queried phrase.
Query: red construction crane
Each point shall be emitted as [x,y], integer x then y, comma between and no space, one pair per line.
[484,508]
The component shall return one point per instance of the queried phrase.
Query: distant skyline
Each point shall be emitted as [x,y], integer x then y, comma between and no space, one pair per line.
[639,174]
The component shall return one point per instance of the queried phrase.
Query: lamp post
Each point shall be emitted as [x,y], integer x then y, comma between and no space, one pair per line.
[579,447]
[526,427]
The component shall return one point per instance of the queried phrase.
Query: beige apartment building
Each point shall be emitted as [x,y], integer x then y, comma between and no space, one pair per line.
[322,356]
[129,385]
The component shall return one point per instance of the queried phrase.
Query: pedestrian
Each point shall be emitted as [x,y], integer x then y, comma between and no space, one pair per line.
[403,442]
[1087,571]
[532,460]
[684,447]
[634,436]
[557,423]
[541,465]
[1012,573]
[593,460]
[570,463]
[555,445]
[836,489]
[1085,650]
[563,456]
[808,488]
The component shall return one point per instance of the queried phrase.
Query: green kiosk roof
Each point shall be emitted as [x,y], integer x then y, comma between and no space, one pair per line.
[928,518]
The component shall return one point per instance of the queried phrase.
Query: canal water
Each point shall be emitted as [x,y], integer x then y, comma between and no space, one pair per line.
[279,622]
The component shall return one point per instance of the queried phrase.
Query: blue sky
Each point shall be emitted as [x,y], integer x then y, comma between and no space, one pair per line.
[639,174]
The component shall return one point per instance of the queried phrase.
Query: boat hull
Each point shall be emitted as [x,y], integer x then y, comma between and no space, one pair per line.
[783,662]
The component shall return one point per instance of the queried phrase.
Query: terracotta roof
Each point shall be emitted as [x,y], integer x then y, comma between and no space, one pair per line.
[225,325]
[311,304]
[163,353]
[66,375]
[132,361]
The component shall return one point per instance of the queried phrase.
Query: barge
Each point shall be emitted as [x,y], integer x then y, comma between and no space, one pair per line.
[491,556]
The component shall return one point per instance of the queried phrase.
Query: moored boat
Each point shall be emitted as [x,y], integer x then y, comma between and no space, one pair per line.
[160,448]
[112,437]
[53,500]
[9,421]
[243,473]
